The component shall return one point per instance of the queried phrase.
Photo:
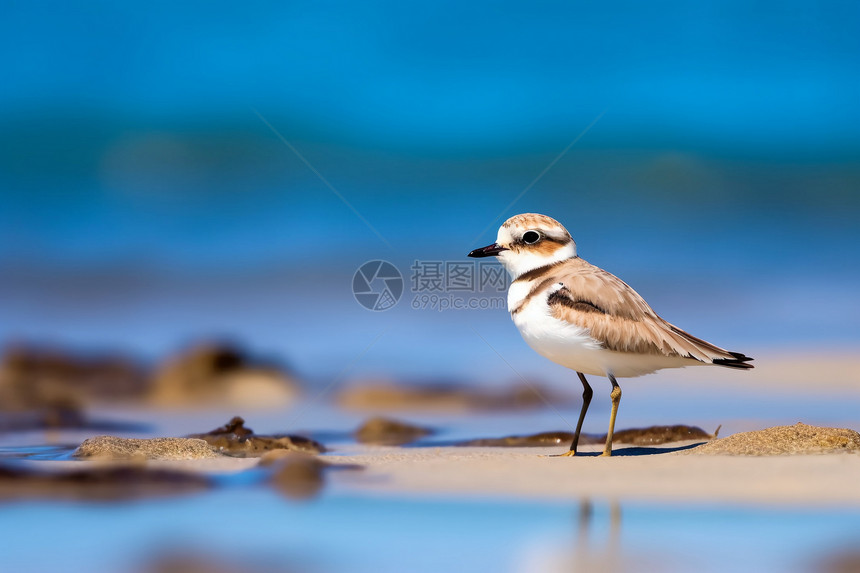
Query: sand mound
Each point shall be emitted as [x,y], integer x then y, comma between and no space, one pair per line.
[784,440]
[111,447]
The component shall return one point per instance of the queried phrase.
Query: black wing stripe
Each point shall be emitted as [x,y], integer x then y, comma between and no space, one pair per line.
[562,297]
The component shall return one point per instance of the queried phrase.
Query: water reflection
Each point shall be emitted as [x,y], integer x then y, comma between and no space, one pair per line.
[593,553]
[376,534]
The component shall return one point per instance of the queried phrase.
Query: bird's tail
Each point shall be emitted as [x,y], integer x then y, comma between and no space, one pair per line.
[706,351]
[738,360]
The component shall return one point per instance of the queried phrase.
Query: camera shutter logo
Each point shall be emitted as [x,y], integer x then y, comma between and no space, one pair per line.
[377,285]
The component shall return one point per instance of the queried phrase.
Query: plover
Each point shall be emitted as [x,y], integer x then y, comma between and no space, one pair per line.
[587,319]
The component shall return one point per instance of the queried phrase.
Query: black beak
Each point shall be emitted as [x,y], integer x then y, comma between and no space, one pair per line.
[488,251]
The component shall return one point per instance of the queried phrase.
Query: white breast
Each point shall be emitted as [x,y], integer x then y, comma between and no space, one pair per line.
[561,342]
[571,346]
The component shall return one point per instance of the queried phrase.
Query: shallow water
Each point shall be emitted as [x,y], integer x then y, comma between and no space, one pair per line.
[37,452]
[254,527]
[244,525]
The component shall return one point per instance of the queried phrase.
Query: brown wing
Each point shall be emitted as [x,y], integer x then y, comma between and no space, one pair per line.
[617,317]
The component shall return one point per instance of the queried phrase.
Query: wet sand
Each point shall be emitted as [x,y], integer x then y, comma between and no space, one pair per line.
[633,474]
[645,474]
[504,508]
[664,472]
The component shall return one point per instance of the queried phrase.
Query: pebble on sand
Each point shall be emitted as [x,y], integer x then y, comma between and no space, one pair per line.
[783,440]
[298,475]
[388,432]
[114,448]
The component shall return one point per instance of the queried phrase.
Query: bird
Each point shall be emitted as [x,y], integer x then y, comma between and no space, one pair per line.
[587,319]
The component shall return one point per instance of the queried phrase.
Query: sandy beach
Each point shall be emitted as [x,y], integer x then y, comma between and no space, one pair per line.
[636,503]
[636,474]
[672,473]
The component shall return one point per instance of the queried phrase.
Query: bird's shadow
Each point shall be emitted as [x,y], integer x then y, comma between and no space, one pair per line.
[629,451]
[642,450]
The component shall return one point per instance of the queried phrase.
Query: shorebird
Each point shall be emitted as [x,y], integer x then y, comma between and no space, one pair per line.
[587,319]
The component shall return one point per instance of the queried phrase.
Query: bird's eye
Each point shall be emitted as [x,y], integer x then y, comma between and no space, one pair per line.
[531,237]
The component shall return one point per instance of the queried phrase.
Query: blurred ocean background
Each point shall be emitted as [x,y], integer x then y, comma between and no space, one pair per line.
[172,172]
[153,189]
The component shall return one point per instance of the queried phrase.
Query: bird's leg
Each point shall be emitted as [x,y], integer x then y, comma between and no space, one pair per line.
[587,393]
[615,395]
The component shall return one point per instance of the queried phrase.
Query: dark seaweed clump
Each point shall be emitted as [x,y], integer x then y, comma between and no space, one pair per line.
[102,483]
[235,439]
[650,436]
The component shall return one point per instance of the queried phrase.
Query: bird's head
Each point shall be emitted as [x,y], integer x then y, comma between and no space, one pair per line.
[529,241]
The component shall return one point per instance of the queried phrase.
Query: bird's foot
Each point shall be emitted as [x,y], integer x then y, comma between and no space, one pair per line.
[567,454]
